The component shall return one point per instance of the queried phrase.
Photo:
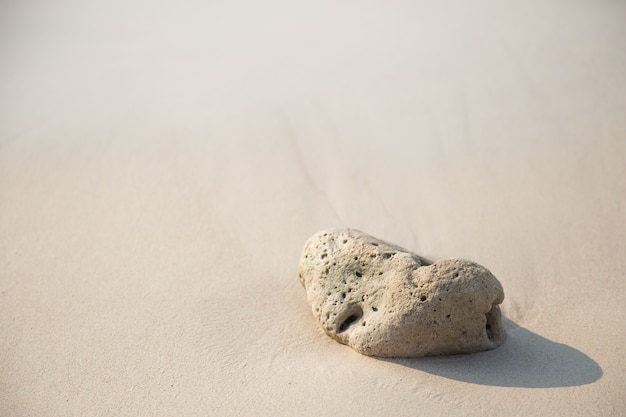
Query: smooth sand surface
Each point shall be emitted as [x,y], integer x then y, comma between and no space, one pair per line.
[162,164]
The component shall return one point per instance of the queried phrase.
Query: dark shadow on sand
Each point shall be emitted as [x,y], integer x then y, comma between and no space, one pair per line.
[524,360]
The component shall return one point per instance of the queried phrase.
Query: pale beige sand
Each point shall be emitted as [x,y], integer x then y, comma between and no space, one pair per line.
[162,164]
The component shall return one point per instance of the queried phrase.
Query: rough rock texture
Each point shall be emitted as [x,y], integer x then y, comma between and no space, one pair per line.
[383,300]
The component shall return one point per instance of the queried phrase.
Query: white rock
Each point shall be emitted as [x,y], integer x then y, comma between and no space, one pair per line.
[383,300]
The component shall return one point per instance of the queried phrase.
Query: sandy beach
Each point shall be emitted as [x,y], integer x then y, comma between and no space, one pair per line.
[162,165]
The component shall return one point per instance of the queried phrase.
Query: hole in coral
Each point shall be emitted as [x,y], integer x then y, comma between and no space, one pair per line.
[374,309]
[358,274]
[493,327]
[424,262]
[345,241]
[388,255]
[423,298]
[323,255]
[348,322]
[375,244]
[343,295]
[352,318]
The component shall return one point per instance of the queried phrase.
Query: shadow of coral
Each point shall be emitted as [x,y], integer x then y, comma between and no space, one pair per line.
[524,360]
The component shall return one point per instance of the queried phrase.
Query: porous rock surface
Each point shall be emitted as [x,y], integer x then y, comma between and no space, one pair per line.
[383,300]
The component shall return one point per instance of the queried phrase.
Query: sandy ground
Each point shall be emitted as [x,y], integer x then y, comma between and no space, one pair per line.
[162,164]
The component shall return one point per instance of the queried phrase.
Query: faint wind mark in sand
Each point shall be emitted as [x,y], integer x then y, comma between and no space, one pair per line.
[291,134]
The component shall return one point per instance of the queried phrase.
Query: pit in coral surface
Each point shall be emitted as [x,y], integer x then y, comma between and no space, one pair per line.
[355,315]
[489,331]
[492,328]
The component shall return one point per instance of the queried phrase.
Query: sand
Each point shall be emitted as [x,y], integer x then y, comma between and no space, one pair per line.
[162,164]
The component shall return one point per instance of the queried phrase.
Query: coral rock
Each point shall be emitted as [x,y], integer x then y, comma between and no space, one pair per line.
[383,300]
